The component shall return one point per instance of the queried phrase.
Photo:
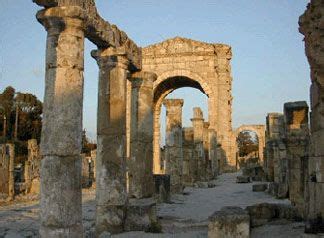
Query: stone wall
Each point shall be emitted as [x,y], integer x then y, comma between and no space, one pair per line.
[311,26]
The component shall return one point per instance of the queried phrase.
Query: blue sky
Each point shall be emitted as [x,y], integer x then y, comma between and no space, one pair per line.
[269,66]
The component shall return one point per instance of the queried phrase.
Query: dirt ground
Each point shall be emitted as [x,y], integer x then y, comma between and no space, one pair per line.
[186,216]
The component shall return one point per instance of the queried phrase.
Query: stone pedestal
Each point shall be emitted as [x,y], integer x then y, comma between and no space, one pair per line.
[162,187]
[140,163]
[141,214]
[173,147]
[297,143]
[229,222]
[61,214]
[111,194]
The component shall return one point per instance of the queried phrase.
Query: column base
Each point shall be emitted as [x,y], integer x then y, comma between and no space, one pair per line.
[58,232]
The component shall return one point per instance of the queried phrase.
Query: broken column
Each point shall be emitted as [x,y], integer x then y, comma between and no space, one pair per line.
[173,139]
[297,142]
[32,168]
[199,155]
[213,153]
[274,132]
[61,214]
[140,163]
[111,194]
[311,26]
[189,167]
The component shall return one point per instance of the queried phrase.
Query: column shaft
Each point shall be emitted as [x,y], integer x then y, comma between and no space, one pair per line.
[140,163]
[111,194]
[61,213]
[173,149]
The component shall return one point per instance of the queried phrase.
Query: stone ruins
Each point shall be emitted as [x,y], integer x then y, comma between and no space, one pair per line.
[129,171]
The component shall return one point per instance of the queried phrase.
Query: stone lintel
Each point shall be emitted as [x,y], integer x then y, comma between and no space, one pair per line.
[99,31]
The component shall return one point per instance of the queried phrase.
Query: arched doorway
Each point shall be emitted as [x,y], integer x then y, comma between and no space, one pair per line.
[259,131]
[180,62]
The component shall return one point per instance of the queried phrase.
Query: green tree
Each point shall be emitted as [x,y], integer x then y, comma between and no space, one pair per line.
[247,143]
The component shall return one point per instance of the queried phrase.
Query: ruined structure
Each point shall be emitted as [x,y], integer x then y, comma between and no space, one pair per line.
[181,62]
[297,145]
[173,149]
[311,26]
[7,183]
[32,168]
[287,150]
[259,131]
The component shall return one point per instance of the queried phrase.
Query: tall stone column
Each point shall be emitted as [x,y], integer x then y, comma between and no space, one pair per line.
[297,142]
[111,194]
[173,147]
[140,163]
[198,129]
[11,184]
[61,214]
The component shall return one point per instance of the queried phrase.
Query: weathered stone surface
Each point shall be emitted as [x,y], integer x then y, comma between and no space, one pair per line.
[140,163]
[140,215]
[62,122]
[243,179]
[311,26]
[162,187]
[181,62]
[297,144]
[173,147]
[262,213]
[111,190]
[259,187]
[230,222]
[7,157]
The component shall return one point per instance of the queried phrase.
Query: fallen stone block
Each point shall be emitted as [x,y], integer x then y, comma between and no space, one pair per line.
[273,189]
[243,179]
[262,213]
[259,187]
[140,215]
[229,222]
[162,187]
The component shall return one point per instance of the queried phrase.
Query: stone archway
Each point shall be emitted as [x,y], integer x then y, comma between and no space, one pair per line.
[259,131]
[180,62]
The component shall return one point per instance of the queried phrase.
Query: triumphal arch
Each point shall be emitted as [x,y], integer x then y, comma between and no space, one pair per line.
[181,62]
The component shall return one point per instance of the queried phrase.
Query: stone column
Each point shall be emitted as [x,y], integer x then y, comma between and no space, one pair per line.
[213,152]
[11,184]
[198,128]
[61,213]
[311,26]
[297,142]
[173,147]
[188,165]
[274,133]
[111,194]
[140,163]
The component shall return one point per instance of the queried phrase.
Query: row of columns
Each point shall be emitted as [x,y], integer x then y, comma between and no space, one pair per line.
[190,154]
[61,213]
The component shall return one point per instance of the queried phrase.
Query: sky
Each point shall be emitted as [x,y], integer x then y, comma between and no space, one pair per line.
[269,66]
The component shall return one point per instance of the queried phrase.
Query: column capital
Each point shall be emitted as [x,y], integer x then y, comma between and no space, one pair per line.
[143,79]
[168,103]
[110,57]
[58,19]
